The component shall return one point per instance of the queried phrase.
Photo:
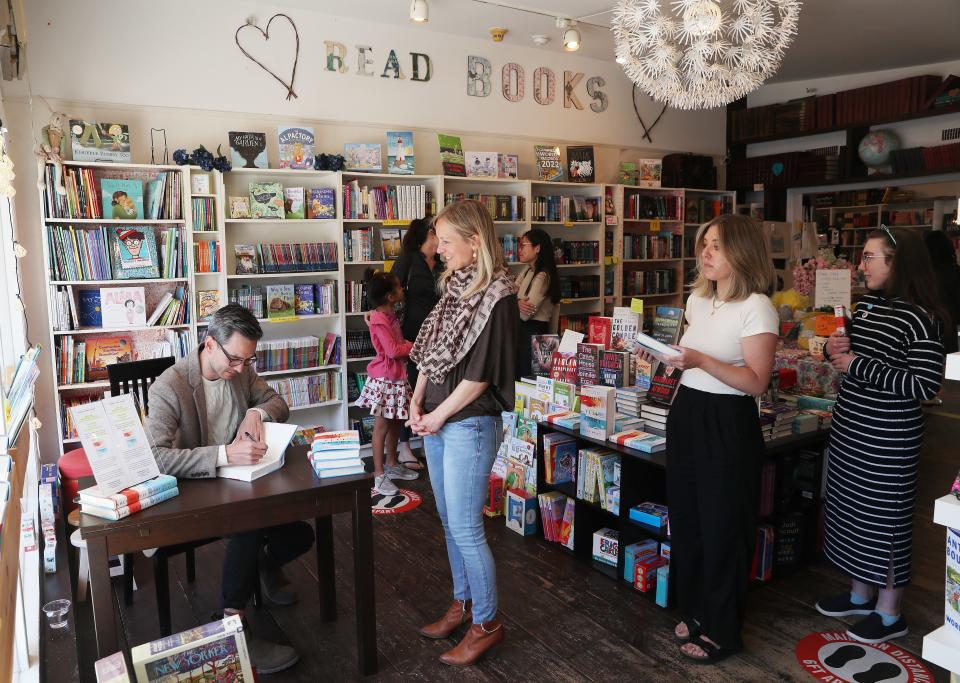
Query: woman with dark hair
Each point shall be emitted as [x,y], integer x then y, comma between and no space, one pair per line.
[891,358]
[538,295]
[418,269]
[947,274]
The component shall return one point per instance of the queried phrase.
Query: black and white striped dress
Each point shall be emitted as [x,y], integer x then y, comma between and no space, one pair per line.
[876,436]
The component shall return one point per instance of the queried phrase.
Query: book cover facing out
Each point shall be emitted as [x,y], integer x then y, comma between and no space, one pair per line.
[248,150]
[213,652]
[400,158]
[451,155]
[296,146]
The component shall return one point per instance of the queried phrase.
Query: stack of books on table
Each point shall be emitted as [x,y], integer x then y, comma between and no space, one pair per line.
[639,440]
[655,418]
[777,420]
[336,454]
[630,400]
[824,417]
[130,500]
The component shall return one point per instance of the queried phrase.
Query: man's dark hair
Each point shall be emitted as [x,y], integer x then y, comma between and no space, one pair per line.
[233,318]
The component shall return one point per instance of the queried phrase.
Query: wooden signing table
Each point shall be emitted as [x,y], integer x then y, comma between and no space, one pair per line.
[219,507]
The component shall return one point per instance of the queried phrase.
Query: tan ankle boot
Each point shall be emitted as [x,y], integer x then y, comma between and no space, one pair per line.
[458,613]
[480,639]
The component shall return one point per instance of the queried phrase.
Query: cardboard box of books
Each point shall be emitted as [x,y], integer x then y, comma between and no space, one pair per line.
[214,651]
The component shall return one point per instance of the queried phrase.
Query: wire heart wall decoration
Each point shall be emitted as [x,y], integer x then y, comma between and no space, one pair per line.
[266,36]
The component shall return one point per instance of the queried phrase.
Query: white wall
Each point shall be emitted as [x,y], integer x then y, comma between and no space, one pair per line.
[919,133]
[174,65]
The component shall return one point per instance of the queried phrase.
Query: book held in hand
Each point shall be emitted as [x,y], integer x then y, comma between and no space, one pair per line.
[277,436]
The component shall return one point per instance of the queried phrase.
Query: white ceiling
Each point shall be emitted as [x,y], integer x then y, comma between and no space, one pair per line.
[835,37]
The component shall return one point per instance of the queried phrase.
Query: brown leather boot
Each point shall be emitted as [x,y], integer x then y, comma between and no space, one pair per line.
[458,613]
[478,641]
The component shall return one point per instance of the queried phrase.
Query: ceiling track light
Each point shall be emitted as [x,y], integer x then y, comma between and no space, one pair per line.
[419,11]
[571,34]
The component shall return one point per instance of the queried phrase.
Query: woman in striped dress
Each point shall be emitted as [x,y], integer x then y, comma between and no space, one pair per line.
[892,360]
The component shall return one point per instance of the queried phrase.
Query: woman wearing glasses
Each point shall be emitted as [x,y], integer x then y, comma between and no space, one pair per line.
[892,359]
[538,294]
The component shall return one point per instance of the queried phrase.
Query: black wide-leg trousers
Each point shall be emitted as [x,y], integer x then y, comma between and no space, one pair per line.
[714,457]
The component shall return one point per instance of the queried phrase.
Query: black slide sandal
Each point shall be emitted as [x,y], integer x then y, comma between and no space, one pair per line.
[691,633]
[713,653]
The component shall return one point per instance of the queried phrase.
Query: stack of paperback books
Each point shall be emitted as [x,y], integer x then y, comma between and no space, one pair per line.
[336,454]
[630,399]
[655,418]
[130,500]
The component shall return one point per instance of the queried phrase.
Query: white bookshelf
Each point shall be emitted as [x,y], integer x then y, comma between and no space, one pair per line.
[330,413]
[154,288]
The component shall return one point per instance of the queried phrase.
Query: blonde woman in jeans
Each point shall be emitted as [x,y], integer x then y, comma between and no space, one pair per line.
[465,355]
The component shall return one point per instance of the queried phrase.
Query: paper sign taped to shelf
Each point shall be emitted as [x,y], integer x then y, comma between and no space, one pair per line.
[610,260]
[655,225]
[286,319]
[832,289]
[397,221]
[636,306]
[568,224]
[387,266]
[611,220]
[115,443]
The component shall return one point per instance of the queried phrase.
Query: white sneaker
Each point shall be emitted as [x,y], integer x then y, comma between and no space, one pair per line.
[401,472]
[384,486]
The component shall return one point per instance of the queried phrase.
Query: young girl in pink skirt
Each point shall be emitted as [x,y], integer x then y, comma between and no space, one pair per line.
[387,391]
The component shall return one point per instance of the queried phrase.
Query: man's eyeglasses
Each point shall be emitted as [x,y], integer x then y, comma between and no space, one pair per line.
[236,360]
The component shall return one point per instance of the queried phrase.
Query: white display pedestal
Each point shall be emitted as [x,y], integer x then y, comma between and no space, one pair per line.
[942,647]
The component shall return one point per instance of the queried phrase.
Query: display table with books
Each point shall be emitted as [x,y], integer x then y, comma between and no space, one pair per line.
[612,504]
[208,508]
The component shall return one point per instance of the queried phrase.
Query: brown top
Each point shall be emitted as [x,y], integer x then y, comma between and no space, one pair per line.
[491,359]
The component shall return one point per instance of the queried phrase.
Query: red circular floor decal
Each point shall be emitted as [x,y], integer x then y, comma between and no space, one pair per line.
[403,501]
[836,657]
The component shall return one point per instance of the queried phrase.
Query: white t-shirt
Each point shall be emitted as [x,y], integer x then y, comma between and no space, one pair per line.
[719,335]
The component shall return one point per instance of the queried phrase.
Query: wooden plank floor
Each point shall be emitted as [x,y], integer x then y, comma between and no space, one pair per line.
[564,621]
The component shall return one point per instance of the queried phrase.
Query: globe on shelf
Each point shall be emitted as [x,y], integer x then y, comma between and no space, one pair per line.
[875,148]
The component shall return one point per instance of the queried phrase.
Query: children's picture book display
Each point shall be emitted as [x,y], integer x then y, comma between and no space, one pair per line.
[134,253]
[248,150]
[296,146]
[266,200]
[362,157]
[400,158]
[650,172]
[580,164]
[549,167]
[239,207]
[322,203]
[123,307]
[93,141]
[508,166]
[451,155]
[122,199]
[481,164]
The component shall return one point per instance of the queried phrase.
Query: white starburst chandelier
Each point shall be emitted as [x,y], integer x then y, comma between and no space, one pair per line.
[700,54]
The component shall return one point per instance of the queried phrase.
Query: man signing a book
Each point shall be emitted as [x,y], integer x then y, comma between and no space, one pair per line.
[207,411]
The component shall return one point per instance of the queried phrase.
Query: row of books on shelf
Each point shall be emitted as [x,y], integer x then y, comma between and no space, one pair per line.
[659,281]
[560,209]
[576,251]
[133,195]
[502,207]
[114,308]
[129,500]
[117,253]
[86,360]
[358,244]
[925,158]
[204,213]
[271,201]
[206,256]
[297,352]
[703,209]
[637,206]
[579,286]
[787,417]
[355,383]
[387,202]
[364,425]
[355,296]
[336,454]
[359,344]
[308,390]
[285,257]
[282,300]
[652,246]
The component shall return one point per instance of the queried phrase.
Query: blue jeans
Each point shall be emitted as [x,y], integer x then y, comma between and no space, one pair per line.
[460,458]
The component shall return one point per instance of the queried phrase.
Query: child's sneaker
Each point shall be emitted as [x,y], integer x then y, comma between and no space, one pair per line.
[401,472]
[384,486]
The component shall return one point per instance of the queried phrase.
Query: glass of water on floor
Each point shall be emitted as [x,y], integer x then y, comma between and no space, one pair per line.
[57,611]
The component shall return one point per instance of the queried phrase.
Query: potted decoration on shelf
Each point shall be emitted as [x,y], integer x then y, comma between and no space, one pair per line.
[203,158]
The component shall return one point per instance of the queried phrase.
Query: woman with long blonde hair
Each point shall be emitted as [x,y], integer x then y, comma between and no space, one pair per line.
[714,439]
[465,354]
